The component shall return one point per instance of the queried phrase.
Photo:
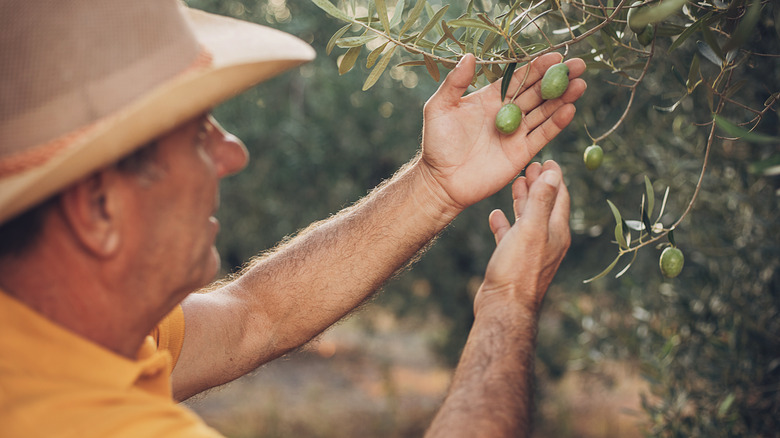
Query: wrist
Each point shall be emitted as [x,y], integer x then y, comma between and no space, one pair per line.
[431,197]
[506,302]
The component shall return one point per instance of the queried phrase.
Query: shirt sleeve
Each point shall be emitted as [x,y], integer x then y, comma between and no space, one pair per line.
[169,333]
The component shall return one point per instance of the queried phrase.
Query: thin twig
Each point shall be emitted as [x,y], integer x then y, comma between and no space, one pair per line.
[630,99]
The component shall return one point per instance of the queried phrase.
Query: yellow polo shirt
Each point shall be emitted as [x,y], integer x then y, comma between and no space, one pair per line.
[54,383]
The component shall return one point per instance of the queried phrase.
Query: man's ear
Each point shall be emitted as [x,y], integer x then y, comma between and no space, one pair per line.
[92,208]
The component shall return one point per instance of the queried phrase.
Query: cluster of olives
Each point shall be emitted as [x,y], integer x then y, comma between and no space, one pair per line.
[644,34]
[554,83]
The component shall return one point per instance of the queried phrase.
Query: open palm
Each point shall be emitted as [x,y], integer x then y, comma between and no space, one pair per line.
[464,152]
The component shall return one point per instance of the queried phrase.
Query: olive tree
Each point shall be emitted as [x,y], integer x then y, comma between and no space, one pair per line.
[682,103]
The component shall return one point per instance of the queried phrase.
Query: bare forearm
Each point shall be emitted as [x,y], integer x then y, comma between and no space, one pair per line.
[289,295]
[492,390]
[312,281]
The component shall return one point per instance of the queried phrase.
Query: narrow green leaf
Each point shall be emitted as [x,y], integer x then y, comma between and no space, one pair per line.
[670,236]
[663,204]
[635,225]
[670,109]
[679,76]
[374,55]
[432,22]
[605,271]
[668,30]
[414,63]
[378,69]
[485,19]
[619,236]
[474,44]
[607,44]
[332,10]
[448,34]
[653,14]
[490,72]
[432,67]
[667,348]
[736,131]
[397,14]
[745,27]
[414,15]
[490,40]
[646,222]
[650,196]
[348,61]
[336,36]
[769,166]
[693,28]
[610,30]
[708,53]
[381,10]
[507,78]
[355,41]
[471,23]
[732,89]
[615,212]
[726,404]
[625,269]
[710,95]
[712,43]
[693,75]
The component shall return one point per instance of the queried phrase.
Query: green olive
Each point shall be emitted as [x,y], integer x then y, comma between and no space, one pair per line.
[637,30]
[593,156]
[508,118]
[646,36]
[671,262]
[555,81]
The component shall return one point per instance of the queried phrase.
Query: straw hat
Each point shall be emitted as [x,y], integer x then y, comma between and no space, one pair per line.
[84,83]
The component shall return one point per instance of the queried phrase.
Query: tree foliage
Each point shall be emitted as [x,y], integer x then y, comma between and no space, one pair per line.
[688,122]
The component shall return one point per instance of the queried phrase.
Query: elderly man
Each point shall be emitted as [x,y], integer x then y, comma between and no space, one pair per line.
[109,172]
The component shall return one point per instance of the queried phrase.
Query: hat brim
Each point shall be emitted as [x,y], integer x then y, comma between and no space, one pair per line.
[242,55]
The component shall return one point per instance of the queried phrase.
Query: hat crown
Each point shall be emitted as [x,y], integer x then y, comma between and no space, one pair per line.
[68,63]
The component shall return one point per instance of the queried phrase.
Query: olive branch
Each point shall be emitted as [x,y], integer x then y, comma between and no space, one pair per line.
[611,35]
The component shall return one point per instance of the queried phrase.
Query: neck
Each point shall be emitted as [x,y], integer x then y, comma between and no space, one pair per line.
[74,294]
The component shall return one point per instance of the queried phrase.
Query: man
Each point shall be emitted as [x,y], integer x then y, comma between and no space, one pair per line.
[109,172]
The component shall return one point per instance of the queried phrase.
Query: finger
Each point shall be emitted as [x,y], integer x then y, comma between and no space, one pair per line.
[531,97]
[455,84]
[519,196]
[549,129]
[541,201]
[532,172]
[538,115]
[559,218]
[499,224]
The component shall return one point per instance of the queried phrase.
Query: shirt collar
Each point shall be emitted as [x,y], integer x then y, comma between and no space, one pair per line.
[32,344]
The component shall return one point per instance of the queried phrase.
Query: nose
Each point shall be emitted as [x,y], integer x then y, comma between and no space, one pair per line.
[229,152]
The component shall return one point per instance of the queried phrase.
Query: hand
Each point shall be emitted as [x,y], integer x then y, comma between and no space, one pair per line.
[464,155]
[529,252]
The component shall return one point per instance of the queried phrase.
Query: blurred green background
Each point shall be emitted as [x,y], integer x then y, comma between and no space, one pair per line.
[694,356]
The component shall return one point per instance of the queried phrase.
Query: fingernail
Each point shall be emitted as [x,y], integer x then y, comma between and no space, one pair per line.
[551,178]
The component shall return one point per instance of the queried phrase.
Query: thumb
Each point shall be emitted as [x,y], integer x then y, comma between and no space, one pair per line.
[456,83]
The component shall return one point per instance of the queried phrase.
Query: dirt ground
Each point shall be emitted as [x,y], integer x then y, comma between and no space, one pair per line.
[374,376]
